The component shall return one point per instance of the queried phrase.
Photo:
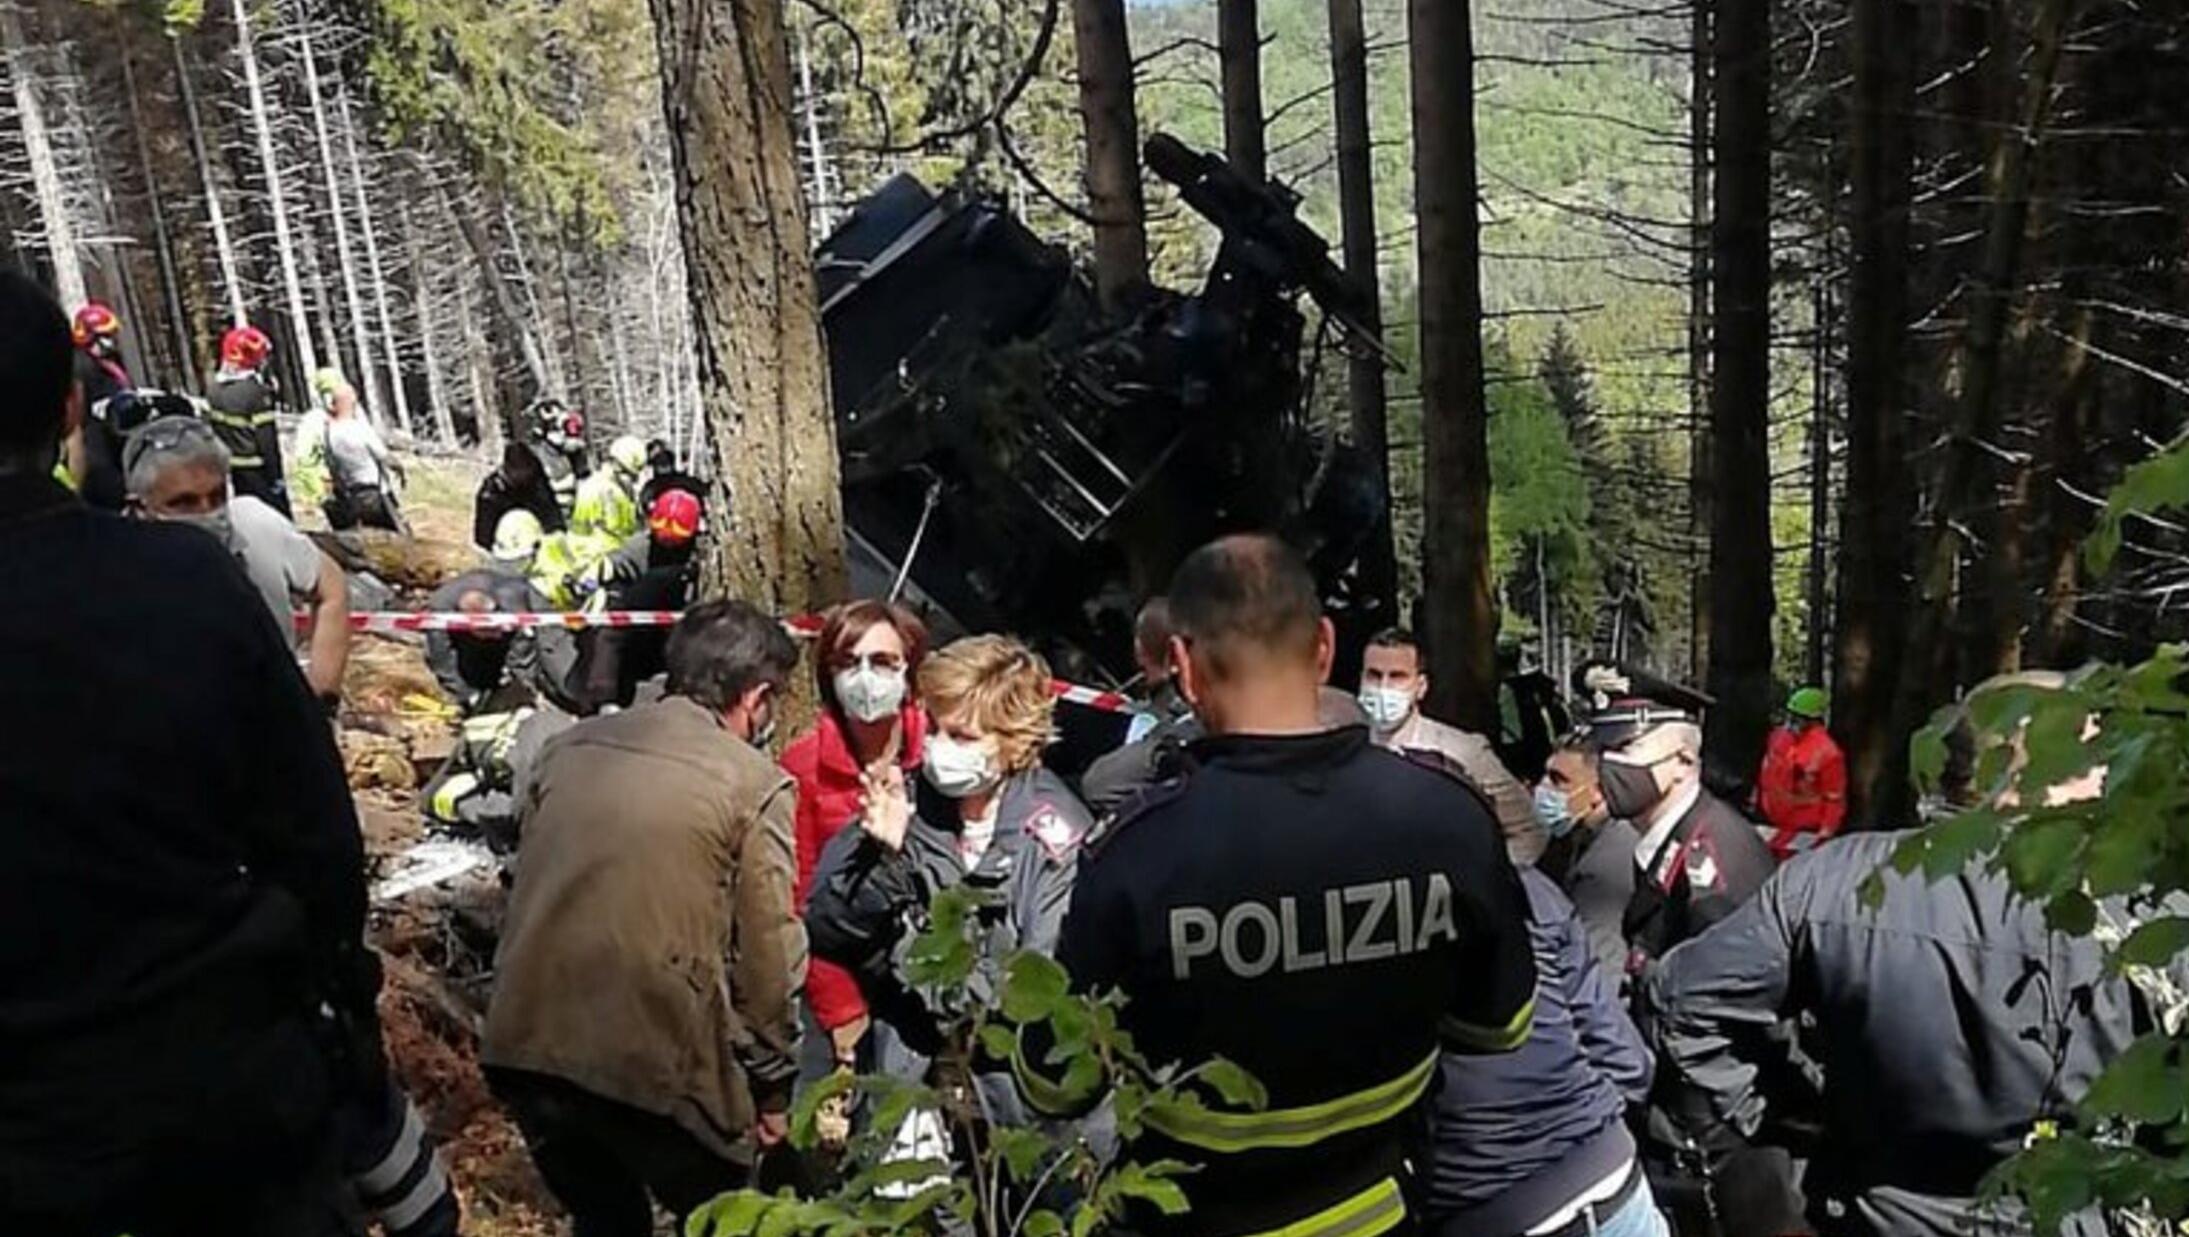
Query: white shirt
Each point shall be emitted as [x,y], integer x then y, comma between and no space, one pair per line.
[283,563]
[975,836]
[1674,811]
[355,454]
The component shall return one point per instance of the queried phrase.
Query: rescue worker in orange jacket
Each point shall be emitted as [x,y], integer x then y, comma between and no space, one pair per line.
[1802,789]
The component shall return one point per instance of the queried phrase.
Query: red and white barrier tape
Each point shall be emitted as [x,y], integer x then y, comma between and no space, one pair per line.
[394,622]
[399,622]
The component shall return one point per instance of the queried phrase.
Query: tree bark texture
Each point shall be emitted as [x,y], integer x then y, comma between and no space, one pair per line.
[1365,388]
[389,353]
[1698,337]
[1965,465]
[300,325]
[53,216]
[1741,593]
[1459,609]
[1114,195]
[163,249]
[223,245]
[1239,57]
[1878,507]
[778,534]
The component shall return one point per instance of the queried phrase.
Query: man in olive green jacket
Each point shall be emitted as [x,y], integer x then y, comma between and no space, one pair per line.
[643,1028]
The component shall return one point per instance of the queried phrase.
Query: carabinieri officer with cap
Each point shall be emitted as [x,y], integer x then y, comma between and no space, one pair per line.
[1699,859]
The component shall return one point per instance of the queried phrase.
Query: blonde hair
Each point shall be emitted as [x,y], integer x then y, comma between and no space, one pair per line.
[1001,687]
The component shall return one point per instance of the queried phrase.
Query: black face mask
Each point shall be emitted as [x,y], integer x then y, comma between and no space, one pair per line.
[1630,791]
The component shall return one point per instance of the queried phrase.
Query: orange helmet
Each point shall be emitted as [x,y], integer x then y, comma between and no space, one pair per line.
[96,321]
[245,347]
[674,517]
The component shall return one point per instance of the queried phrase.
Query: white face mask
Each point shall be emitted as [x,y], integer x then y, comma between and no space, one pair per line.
[1387,707]
[958,770]
[217,522]
[869,693]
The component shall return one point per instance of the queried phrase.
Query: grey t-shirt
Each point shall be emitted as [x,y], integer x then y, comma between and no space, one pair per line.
[283,563]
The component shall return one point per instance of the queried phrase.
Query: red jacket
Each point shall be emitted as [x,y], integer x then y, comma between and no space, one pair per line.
[1803,788]
[820,761]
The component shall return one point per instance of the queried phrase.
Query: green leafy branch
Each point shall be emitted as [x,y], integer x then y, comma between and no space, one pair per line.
[1002,1179]
[2110,863]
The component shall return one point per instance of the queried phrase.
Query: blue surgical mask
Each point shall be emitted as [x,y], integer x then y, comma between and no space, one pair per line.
[1553,812]
[1387,707]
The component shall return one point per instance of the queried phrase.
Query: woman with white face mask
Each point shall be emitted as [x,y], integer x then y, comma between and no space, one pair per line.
[983,812]
[869,726]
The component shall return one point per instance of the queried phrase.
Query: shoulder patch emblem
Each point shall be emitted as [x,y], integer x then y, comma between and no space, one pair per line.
[1058,838]
[1702,865]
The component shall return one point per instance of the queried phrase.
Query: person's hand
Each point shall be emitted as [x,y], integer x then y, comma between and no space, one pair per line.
[885,811]
[771,1129]
[844,1040]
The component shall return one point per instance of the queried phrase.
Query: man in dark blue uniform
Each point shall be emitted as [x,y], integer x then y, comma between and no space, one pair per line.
[184,989]
[1326,914]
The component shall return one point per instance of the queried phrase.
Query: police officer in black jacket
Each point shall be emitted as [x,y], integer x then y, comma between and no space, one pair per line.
[1324,913]
[1949,1021]
[181,877]
[1698,859]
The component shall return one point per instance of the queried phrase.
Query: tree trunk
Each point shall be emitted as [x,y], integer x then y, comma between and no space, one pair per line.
[1114,195]
[1357,206]
[1878,505]
[499,297]
[421,305]
[373,269]
[536,323]
[45,172]
[163,248]
[763,371]
[818,197]
[224,247]
[1460,612]
[315,273]
[1818,593]
[1698,339]
[486,418]
[367,378]
[300,325]
[1239,54]
[1965,462]
[1741,601]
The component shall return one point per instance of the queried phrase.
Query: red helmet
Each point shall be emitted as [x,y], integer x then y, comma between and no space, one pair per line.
[674,517]
[94,321]
[245,347]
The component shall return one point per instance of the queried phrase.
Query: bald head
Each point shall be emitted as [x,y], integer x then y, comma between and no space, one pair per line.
[1251,644]
[1246,600]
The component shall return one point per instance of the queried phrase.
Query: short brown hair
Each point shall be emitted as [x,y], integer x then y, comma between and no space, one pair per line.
[847,624]
[1247,591]
[1002,686]
[1400,638]
[720,650]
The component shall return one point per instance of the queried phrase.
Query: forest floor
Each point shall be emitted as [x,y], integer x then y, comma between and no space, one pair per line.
[438,942]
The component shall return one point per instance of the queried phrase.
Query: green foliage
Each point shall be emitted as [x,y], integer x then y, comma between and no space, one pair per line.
[2109,859]
[1540,528]
[1035,1180]
[2160,483]
[544,97]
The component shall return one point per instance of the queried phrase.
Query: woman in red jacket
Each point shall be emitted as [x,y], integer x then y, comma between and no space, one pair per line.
[867,653]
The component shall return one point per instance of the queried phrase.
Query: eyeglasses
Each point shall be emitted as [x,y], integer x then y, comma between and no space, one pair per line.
[164,434]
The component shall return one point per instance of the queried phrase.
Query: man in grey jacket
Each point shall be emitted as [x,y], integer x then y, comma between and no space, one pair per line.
[1948,1021]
